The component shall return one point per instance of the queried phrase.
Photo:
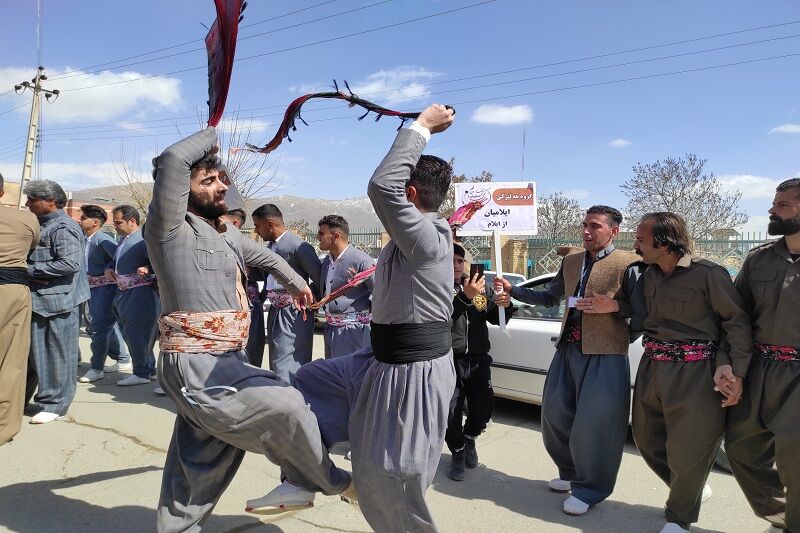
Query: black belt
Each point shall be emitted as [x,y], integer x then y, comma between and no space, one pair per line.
[410,343]
[13,276]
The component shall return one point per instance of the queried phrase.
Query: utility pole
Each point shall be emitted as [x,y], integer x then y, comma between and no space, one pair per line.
[33,126]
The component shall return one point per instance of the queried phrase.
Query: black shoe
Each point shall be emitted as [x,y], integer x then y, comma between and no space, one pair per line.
[457,471]
[470,453]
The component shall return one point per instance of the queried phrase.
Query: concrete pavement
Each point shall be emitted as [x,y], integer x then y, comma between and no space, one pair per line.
[99,470]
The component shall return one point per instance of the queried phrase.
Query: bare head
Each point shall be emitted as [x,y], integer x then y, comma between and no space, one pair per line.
[784,215]
[92,218]
[268,221]
[662,234]
[236,217]
[44,197]
[126,219]
[600,226]
[333,233]
[206,188]
[429,182]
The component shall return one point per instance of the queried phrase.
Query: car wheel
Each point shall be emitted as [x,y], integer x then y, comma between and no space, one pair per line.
[722,459]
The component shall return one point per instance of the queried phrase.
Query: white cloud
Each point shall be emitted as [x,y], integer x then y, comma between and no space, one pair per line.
[619,143]
[242,125]
[503,115]
[751,187]
[337,141]
[399,84]
[576,194]
[75,176]
[755,224]
[786,128]
[306,88]
[102,103]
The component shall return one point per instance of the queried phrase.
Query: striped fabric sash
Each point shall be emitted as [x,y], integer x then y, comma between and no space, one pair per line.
[130,281]
[339,320]
[778,353]
[679,351]
[99,281]
[204,332]
[280,298]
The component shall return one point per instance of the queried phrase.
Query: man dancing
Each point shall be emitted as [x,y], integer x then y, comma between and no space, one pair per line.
[391,401]
[224,406]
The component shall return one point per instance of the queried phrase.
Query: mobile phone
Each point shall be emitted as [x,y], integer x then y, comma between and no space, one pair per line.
[476,268]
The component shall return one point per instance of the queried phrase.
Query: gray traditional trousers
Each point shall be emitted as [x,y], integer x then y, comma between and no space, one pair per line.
[344,340]
[216,425]
[53,360]
[137,311]
[289,339]
[764,428]
[395,418]
[678,424]
[585,408]
[106,335]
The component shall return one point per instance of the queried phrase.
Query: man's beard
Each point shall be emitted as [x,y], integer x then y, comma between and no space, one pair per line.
[779,226]
[206,208]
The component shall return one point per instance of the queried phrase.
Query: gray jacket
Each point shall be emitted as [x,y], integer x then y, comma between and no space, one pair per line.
[299,254]
[357,298]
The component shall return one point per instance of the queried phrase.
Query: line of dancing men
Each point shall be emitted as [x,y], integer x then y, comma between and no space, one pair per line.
[721,358]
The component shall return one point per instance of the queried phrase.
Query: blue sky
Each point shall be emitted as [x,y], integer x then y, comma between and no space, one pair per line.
[744,119]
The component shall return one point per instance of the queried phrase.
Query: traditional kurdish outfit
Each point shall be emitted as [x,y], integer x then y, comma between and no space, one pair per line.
[256,336]
[19,234]
[290,333]
[695,323]
[764,428]
[586,398]
[106,336]
[58,287]
[224,406]
[347,318]
[136,305]
[391,401]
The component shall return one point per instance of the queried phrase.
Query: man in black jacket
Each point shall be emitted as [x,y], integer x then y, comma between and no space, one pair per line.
[473,306]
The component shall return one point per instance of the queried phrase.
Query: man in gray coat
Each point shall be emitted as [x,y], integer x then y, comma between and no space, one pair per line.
[57,273]
[224,405]
[391,401]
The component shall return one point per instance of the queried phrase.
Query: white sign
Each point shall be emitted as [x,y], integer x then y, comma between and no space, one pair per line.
[507,207]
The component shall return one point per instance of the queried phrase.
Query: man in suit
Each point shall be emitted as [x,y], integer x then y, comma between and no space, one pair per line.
[106,336]
[290,333]
[57,274]
[19,234]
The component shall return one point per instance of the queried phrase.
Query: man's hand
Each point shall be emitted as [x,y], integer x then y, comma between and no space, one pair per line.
[597,304]
[303,298]
[110,274]
[436,118]
[143,271]
[728,384]
[474,286]
[501,285]
[502,299]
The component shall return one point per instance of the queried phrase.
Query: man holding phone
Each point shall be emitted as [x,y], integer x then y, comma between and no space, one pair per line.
[473,306]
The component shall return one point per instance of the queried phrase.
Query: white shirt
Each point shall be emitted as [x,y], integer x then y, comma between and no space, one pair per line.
[332,269]
[271,284]
[86,251]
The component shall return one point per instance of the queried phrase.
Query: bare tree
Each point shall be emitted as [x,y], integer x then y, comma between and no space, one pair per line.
[558,217]
[137,188]
[449,204]
[679,185]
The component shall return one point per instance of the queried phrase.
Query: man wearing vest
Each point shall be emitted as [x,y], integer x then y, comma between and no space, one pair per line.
[587,392]
[762,430]
[697,345]
[586,396]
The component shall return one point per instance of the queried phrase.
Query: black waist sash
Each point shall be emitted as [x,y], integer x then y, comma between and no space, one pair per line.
[13,276]
[410,343]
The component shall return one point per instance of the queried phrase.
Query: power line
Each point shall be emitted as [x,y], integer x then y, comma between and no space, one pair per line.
[14,108]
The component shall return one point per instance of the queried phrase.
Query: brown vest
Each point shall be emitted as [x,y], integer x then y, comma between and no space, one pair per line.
[605,333]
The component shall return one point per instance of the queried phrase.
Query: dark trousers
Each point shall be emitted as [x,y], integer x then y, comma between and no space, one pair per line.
[473,384]
[256,339]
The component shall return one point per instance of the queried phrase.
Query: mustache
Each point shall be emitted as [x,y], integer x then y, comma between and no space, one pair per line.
[775,218]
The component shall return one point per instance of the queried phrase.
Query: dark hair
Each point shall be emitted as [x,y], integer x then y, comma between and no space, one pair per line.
[431,178]
[613,215]
[788,185]
[127,212]
[95,211]
[239,215]
[268,211]
[208,163]
[336,222]
[669,229]
[1,181]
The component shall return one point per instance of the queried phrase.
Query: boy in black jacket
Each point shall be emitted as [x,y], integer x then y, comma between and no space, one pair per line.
[473,305]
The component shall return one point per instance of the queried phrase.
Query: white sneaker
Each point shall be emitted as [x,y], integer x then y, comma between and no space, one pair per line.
[707,492]
[671,527]
[44,417]
[559,485]
[91,375]
[119,367]
[153,377]
[283,496]
[574,507]
[347,455]
[158,391]
[133,379]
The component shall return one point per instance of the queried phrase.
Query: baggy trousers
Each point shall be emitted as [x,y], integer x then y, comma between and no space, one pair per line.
[764,430]
[394,417]
[290,340]
[15,341]
[106,336]
[215,426]
[344,340]
[255,338]
[473,384]
[678,424]
[137,311]
[53,361]
[585,408]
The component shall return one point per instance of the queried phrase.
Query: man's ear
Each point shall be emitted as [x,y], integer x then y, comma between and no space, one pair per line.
[614,230]
[411,193]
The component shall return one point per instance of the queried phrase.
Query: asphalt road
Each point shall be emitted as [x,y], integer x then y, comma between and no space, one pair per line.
[99,470]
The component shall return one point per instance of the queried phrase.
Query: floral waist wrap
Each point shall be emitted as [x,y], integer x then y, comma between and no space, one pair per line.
[778,353]
[679,351]
[572,334]
[204,332]
[130,281]
[345,319]
[280,299]
[99,281]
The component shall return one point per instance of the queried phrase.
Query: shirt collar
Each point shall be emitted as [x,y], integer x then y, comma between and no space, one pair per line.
[51,216]
[602,253]
[281,236]
[782,250]
[685,261]
[340,255]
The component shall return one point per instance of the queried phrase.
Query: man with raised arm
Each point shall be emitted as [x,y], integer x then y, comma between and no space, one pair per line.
[225,406]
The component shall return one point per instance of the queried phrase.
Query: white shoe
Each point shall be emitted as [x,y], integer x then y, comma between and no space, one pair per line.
[153,377]
[574,507]
[707,492]
[44,417]
[119,367]
[559,485]
[283,496]
[91,375]
[133,379]
[347,455]
[158,391]
[672,527]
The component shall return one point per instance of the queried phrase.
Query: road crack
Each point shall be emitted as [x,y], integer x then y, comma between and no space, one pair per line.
[118,433]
